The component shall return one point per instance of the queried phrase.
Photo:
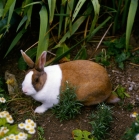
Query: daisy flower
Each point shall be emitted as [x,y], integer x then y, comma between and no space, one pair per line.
[21,125]
[22,136]
[27,121]
[2,100]
[5,138]
[3,114]
[11,136]
[32,131]
[30,122]
[137,137]
[10,119]
[3,130]
[28,127]
[134,115]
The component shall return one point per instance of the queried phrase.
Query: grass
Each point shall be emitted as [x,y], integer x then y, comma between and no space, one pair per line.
[40,132]
[68,106]
[133,131]
[101,121]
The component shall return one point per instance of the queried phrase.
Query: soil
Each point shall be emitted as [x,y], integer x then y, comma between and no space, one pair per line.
[56,130]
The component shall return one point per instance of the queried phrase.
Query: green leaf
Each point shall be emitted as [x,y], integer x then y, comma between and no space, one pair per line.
[29,13]
[32,3]
[1,9]
[52,5]
[82,54]
[7,7]
[2,121]
[16,39]
[43,38]
[70,4]
[77,8]
[67,52]
[10,13]
[98,28]
[96,6]
[21,22]
[126,94]
[121,92]
[61,17]
[81,135]
[75,26]
[77,133]
[21,63]
[130,20]
[62,49]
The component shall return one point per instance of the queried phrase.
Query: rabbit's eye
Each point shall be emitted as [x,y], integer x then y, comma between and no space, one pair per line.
[36,80]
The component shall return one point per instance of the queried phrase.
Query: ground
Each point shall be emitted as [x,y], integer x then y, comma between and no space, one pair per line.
[56,130]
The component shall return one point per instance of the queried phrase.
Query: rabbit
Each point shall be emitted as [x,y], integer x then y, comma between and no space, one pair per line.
[45,83]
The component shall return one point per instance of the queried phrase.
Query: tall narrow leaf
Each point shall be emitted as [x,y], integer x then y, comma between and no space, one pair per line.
[98,28]
[29,13]
[70,4]
[16,39]
[96,6]
[22,22]
[61,17]
[1,8]
[75,26]
[11,10]
[130,20]
[77,9]
[115,25]
[7,7]
[52,5]
[43,42]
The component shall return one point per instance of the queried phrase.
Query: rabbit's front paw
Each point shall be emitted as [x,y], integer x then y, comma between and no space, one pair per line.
[40,109]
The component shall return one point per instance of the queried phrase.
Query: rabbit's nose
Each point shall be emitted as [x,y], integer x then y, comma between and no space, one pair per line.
[24,90]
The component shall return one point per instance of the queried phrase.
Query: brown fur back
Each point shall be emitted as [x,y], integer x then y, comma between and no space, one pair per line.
[90,79]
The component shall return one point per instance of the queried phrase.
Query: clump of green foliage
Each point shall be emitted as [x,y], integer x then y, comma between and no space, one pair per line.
[132,132]
[40,132]
[82,135]
[121,92]
[115,51]
[101,121]
[68,106]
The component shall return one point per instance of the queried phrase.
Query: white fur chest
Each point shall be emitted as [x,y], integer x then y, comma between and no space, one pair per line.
[49,93]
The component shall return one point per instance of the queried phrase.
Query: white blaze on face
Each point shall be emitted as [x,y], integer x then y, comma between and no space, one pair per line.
[27,86]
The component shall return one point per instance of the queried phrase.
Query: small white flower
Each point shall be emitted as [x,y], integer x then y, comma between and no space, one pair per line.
[137,137]
[16,137]
[32,131]
[33,124]
[5,138]
[27,121]
[21,125]
[28,127]
[30,122]
[22,136]
[11,136]
[136,124]
[4,130]
[10,119]
[3,114]
[2,100]
[134,115]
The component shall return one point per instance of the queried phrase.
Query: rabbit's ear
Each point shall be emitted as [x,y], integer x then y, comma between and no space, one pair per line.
[41,61]
[27,59]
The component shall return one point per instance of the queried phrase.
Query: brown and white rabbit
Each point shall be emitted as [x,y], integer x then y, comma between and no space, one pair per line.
[44,83]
